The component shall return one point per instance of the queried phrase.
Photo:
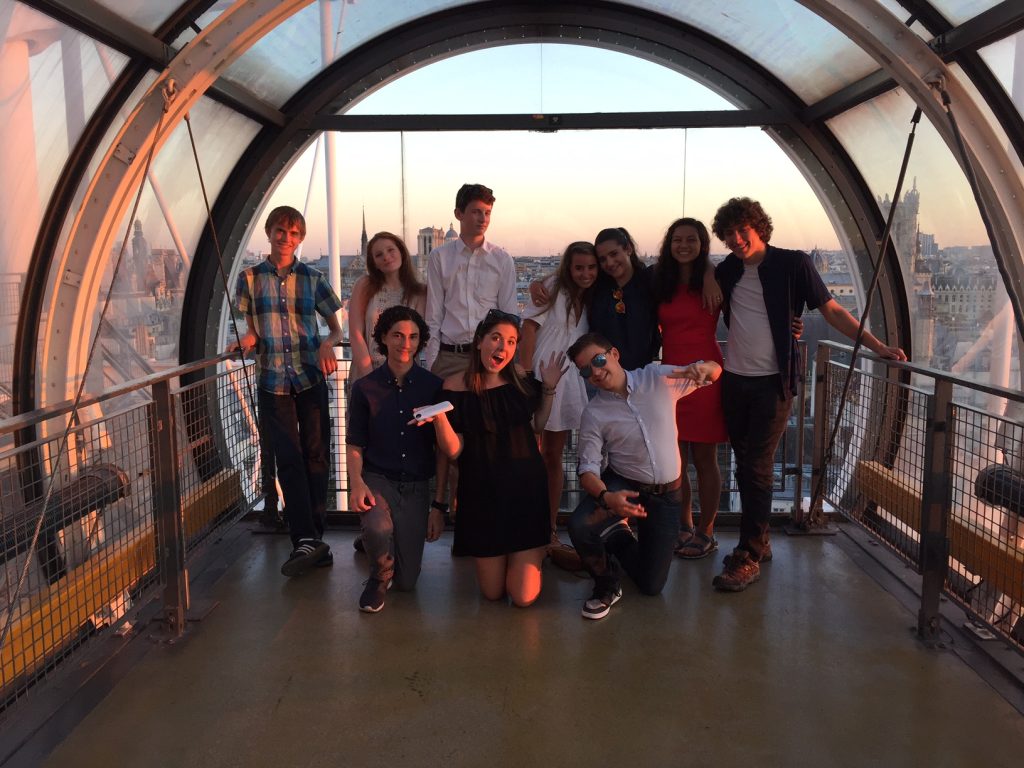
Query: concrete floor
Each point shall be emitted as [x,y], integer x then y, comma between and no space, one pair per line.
[815,665]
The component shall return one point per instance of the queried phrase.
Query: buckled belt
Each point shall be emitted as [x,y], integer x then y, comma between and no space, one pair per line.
[458,348]
[659,488]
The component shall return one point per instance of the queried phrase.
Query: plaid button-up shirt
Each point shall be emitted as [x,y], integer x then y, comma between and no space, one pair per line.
[284,313]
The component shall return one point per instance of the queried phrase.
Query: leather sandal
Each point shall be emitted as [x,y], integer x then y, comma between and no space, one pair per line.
[699,546]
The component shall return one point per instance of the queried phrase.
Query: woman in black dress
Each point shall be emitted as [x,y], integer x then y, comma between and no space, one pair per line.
[503,519]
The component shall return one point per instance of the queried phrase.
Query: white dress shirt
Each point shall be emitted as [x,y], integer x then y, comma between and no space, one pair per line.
[463,283]
[638,431]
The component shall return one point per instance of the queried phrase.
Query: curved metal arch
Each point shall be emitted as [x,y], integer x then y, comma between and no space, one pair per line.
[666,41]
[79,267]
[915,67]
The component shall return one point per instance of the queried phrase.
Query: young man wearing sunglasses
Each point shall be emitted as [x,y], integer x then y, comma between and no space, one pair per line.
[631,419]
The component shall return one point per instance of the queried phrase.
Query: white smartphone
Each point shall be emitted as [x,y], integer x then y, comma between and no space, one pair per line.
[426,411]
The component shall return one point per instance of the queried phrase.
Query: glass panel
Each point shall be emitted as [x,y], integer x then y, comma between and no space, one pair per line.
[142,326]
[145,315]
[540,78]
[1006,60]
[76,203]
[807,53]
[990,115]
[51,81]
[955,290]
[959,11]
[273,76]
[148,14]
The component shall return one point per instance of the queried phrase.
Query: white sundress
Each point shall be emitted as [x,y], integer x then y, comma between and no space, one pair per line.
[557,332]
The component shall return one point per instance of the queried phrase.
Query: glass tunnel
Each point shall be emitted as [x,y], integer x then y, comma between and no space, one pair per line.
[145,141]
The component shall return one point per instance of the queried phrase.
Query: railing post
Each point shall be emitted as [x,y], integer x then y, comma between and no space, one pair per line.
[935,508]
[170,533]
[812,520]
[796,514]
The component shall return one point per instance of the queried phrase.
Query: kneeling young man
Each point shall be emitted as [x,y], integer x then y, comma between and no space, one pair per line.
[632,420]
[390,463]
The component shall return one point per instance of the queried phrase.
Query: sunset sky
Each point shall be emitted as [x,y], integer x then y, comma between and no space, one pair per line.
[553,188]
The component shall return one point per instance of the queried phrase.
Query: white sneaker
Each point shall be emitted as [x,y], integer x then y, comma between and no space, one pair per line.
[597,606]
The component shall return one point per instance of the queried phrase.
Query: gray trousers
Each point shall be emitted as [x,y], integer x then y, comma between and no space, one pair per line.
[395,529]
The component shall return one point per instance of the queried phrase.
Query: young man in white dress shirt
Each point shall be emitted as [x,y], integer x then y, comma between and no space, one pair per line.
[631,419]
[466,278]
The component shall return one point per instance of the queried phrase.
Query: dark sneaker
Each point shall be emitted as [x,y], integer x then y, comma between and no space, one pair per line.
[372,599]
[765,558]
[304,556]
[616,527]
[599,604]
[739,574]
[357,544]
[326,560]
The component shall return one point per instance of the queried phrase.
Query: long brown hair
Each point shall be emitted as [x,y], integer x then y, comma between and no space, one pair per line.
[411,285]
[667,271]
[475,370]
[579,298]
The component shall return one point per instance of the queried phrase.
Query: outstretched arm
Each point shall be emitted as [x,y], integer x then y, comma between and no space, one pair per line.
[700,373]
[845,323]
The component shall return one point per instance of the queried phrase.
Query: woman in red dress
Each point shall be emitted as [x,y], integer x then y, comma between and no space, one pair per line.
[688,334]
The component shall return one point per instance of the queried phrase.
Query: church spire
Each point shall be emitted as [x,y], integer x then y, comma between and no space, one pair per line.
[363,239]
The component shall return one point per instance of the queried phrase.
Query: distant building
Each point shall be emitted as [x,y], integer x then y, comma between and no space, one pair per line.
[363,239]
[904,226]
[964,302]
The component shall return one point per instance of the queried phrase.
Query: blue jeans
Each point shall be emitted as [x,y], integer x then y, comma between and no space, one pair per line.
[395,529]
[646,558]
[299,427]
[755,416]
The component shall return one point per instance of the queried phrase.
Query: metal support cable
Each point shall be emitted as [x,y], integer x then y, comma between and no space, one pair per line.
[857,342]
[220,264]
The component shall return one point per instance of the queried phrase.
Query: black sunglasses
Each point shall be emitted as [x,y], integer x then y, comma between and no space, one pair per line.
[600,360]
[497,316]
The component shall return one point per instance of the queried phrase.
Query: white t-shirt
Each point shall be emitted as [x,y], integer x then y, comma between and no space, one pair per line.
[751,349]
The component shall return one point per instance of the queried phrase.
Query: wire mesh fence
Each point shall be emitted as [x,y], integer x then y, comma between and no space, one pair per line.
[76,526]
[84,534]
[939,481]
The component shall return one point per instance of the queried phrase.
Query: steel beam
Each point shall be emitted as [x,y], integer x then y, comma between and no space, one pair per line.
[736,118]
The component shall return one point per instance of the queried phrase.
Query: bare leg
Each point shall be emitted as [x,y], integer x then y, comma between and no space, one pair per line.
[709,484]
[552,445]
[523,578]
[686,495]
[490,575]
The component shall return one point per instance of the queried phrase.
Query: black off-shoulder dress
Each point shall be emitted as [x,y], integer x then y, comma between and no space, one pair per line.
[503,486]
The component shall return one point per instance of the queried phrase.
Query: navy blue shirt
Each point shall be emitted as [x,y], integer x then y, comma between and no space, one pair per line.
[634,330]
[378,414]
[789,282]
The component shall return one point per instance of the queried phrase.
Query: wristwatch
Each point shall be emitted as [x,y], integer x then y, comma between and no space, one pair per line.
[600,499]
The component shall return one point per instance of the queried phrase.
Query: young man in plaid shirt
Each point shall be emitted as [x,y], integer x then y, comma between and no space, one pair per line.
[280,299]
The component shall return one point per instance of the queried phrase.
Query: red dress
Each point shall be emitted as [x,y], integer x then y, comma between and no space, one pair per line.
[688,334]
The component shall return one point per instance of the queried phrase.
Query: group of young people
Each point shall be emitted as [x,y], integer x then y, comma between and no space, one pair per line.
[514,402]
